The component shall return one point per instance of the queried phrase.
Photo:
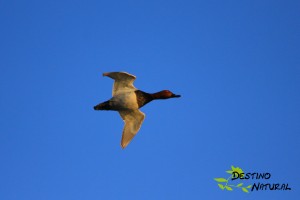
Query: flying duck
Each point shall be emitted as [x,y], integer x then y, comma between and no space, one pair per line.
[126,99]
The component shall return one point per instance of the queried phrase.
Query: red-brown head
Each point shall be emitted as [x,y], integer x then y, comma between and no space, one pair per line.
[164,94]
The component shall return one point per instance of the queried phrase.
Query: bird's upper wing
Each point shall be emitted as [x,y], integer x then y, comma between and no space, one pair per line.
[133,120]
[123,82]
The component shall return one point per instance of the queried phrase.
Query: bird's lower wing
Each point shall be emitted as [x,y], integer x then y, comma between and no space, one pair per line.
[133,120]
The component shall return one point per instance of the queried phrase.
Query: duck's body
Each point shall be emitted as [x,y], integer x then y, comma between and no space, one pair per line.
[127,100]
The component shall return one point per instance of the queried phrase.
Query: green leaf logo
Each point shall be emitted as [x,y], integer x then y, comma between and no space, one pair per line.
[245,190]
[221,180]
[223,183]
[221,186]
[228,188]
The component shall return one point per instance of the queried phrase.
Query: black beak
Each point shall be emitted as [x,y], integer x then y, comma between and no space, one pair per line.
[175,95]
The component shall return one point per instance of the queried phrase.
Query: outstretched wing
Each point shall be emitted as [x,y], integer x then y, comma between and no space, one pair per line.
[133,120]
[123,82]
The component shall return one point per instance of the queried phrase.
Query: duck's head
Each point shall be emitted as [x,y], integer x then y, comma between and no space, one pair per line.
[165,94]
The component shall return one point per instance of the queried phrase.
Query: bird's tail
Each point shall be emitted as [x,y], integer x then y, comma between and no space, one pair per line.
[103,106]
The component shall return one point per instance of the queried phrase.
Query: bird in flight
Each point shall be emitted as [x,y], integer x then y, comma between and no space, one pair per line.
[126,99]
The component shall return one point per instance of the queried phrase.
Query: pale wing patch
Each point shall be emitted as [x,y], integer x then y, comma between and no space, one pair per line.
[133,120]
[123,82]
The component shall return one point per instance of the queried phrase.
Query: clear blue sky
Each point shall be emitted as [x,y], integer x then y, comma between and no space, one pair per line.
[235,63]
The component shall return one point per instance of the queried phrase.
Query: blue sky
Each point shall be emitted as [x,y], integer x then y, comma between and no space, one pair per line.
[235,63]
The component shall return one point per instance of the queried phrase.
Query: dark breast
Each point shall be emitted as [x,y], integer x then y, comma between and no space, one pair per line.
[143,98]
